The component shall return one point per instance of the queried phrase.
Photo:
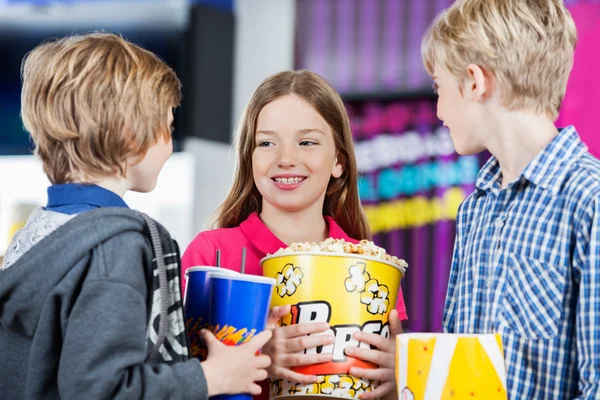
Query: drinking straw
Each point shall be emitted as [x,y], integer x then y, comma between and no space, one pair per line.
[243,259]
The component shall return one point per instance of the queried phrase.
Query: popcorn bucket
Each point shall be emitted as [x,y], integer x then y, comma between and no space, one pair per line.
[353,293]
[433,366]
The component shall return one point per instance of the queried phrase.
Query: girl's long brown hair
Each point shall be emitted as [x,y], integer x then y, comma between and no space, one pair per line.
[342,202]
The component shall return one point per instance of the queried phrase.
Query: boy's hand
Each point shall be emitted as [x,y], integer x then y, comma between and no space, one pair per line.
[384,356]
[234,369]
[288,341]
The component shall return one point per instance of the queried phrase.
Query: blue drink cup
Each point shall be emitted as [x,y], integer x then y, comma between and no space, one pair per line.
[196,307]
[239,307]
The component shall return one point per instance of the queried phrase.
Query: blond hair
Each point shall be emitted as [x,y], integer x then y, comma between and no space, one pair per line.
[342,202]
[93,102]
[528,45]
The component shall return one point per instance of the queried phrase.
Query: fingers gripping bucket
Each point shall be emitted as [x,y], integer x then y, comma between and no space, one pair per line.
[351,292]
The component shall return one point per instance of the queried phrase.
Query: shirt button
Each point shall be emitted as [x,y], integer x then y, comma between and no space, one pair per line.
[499,222]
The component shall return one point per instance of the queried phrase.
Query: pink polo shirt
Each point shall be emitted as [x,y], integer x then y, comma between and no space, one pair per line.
[258,241]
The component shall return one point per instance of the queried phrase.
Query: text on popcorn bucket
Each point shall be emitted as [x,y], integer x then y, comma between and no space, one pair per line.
[320,311]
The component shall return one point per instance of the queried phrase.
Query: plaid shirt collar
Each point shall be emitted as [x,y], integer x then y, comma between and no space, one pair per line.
[548,169]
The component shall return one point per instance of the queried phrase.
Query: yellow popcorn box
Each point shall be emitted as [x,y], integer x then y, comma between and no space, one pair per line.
[432,366]
[353,293]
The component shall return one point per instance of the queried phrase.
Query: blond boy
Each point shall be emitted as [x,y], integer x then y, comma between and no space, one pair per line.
[90,305]
[527,253]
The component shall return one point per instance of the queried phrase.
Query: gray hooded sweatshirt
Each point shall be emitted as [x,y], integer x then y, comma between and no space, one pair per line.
[93,311]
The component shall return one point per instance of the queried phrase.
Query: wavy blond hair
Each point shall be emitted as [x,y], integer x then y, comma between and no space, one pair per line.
[341,200]
[528,45]
[92,102]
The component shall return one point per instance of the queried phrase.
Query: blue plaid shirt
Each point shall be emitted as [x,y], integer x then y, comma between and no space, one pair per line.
[526,264]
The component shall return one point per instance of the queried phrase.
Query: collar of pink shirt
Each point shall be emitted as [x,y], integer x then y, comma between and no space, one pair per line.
[268,243]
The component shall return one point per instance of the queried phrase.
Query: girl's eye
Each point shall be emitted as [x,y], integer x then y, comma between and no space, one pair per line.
[307,143]
[265,144]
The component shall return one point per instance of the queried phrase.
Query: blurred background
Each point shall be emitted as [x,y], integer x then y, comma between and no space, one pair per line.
[412,181]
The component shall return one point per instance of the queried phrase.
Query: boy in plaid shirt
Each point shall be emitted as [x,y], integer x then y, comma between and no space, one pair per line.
[527,258]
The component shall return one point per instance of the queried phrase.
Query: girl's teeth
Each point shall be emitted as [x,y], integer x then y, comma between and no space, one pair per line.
[289,180]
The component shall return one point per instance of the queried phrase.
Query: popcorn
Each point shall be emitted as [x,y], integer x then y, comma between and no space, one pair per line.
[330,384]
[375,297]
[358,278]
[360,384]
[340,246]
[309,388]
[276,387]
[342,385]
[288,280]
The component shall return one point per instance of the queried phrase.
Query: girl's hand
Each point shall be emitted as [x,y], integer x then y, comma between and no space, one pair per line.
[286,347]
[384,356]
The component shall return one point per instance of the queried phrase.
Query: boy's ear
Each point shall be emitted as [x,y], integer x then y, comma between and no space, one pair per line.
[478,84]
